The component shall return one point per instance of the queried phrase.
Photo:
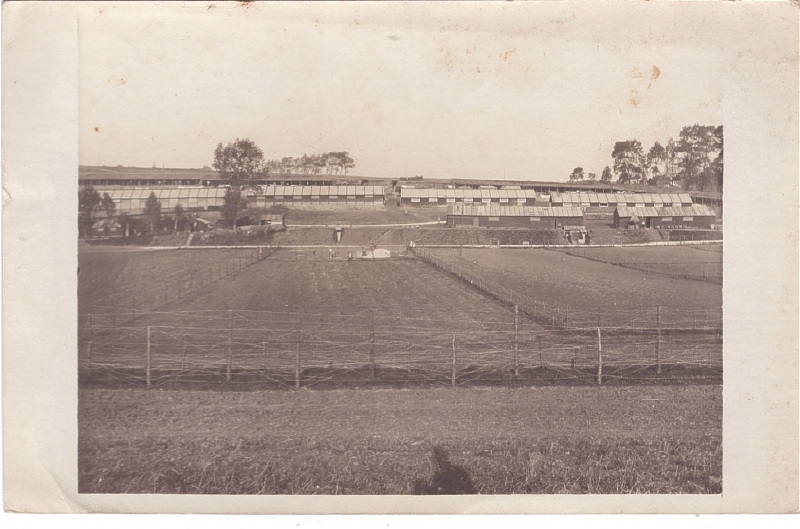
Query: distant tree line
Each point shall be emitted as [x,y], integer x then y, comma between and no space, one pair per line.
[695,161]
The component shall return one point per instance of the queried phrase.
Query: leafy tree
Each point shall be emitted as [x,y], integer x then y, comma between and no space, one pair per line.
[88,202]
[655,159]
[108,205]
[713,175]
[233,206]
[592,176]
[346,161]
[577,174]
[671,160]
[697,144]
[152,211]
[178,214]
[127,222]
[629,161]
[239,163]
[606,175]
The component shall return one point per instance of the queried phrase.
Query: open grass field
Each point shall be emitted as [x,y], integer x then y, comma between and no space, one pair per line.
[142,279]
[596,293]
[489,441]
[395,320]
[300,317]
[685,262]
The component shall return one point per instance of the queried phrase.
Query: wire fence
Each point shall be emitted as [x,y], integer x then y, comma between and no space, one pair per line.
[293,350]
[566,317]
[191,274]
[709,271]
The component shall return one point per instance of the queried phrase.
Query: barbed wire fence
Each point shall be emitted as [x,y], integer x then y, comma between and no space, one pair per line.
[237,348]
[690,320]
[157,292]
[708,271]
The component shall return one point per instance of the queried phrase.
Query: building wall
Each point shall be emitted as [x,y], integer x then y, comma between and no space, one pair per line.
[540,223]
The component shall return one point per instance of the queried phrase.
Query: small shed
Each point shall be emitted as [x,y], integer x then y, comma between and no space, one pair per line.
[270,220]
[106,227]
[199,224]
[377,253]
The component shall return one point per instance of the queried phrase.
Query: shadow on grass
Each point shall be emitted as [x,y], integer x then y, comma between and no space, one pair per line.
[447,478]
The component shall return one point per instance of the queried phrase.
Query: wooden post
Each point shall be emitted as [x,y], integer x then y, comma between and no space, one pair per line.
[297,360]
[599,357]
[372,343]
[453,372]
[226,269]
[179,288]
[89,344]
[166,294]
[230,345]
[148,356]
[658,340]
[541,358]
[516,342]
[566,317]
[264,346]
[184,365]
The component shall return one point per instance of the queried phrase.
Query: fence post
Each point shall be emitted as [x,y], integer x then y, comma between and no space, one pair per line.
[166,294]
[566,317]
[516,342]
[453,372]
[297,360]
[541,358]
[179,288]
[230,345]
[599,357]
[89,344]
[148,357]
[264,346]
[658,340]
[184,364]
[372,343]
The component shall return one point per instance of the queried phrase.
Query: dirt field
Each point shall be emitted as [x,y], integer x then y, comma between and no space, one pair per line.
[488,441]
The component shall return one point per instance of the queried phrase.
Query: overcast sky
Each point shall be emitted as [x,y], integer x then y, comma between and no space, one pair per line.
[481,91]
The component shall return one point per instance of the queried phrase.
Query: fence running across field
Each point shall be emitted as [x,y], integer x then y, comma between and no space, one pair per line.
[689,320]
[286,349]
[175,285]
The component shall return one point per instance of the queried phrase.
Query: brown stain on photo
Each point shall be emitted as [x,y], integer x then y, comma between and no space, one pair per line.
[97,129]
[506,54]
[635,98]
[654,75]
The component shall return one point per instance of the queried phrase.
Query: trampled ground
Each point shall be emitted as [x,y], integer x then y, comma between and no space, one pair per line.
[488,441]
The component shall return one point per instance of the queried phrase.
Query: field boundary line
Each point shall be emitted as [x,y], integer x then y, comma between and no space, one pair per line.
[539,246]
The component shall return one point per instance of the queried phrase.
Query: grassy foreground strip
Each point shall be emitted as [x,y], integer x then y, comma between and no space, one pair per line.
[486,441]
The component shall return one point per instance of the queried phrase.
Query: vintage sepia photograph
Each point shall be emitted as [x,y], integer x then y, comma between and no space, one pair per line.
[358,251]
